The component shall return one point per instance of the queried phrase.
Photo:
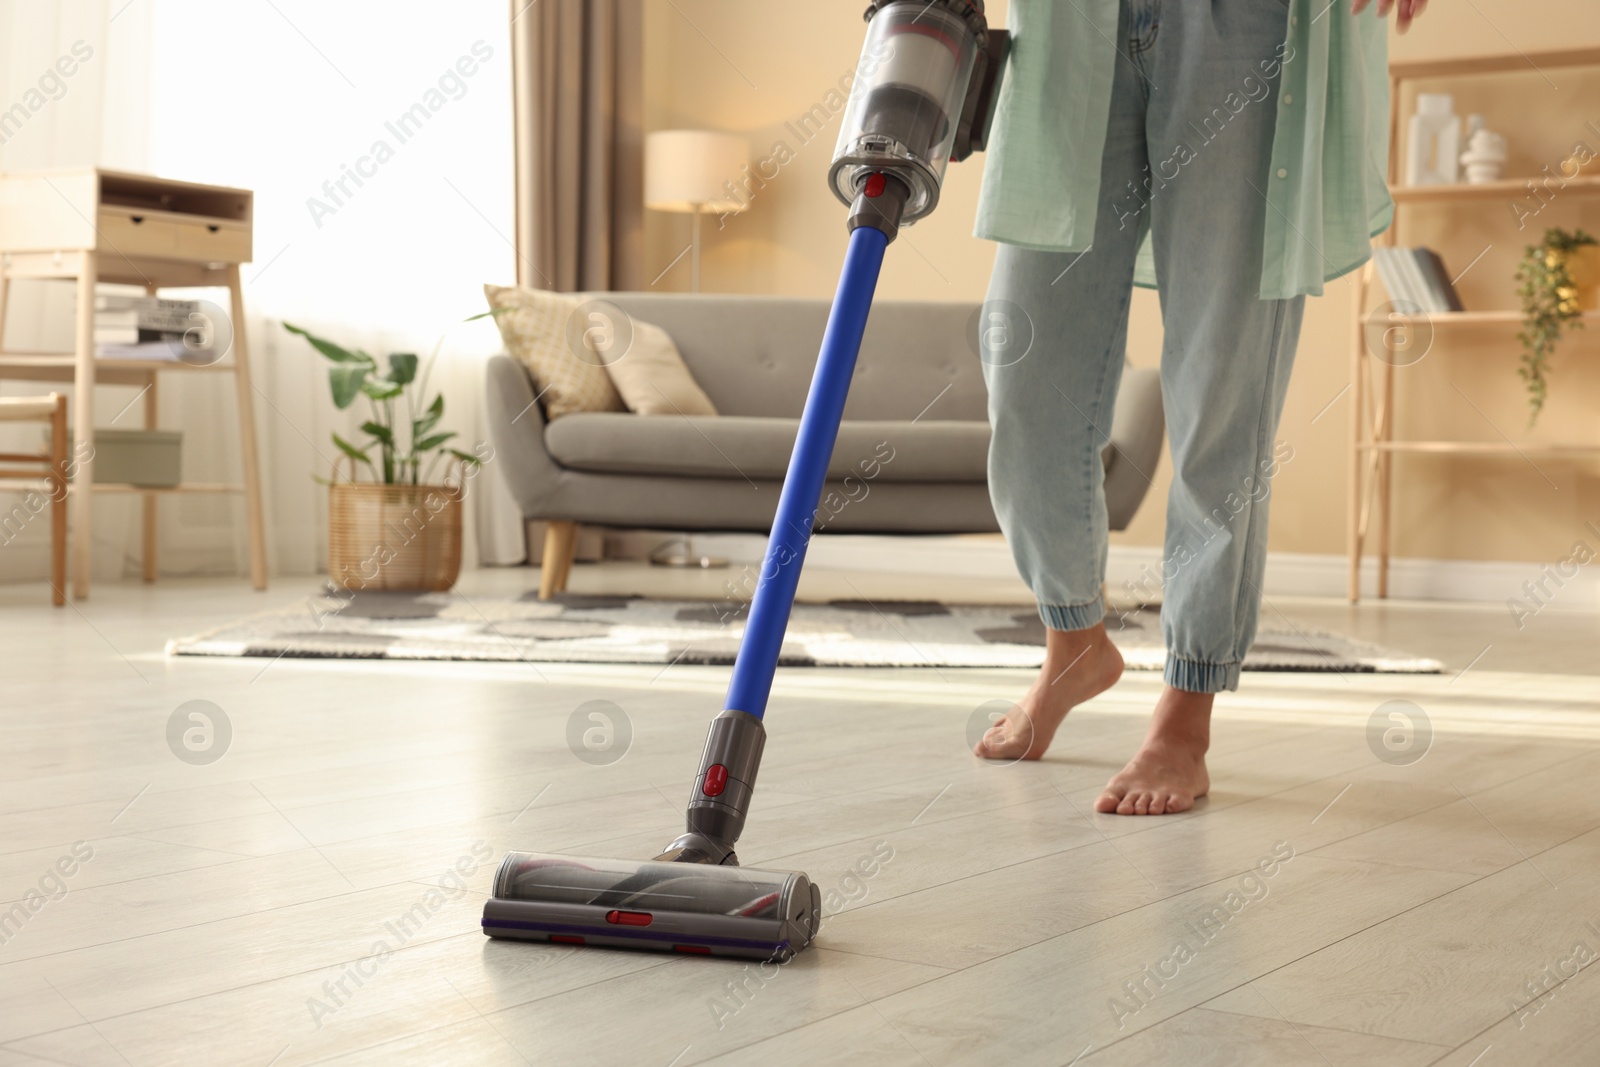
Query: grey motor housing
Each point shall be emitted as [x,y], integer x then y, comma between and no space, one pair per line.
[924,95]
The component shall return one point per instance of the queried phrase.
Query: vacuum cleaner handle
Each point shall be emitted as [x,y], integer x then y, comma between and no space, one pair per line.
[923,94]
[918,86]
[759,651]
[727,775]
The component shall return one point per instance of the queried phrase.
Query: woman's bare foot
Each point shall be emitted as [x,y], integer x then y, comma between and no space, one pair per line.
[1078,665]
[1168,773]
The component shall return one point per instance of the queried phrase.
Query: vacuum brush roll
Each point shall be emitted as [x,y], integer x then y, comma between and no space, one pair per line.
[667,907]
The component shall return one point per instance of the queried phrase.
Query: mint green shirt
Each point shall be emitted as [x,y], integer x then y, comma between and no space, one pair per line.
[1326,194]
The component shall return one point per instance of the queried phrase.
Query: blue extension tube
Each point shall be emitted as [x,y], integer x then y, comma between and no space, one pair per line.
[757,661]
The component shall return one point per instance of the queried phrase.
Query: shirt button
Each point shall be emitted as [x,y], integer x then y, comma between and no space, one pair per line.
[1288,98]
[1282,173]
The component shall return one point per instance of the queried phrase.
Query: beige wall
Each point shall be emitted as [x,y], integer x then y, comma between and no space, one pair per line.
[753,66]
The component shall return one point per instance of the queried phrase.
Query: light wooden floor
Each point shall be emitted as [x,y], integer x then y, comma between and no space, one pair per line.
[243,912]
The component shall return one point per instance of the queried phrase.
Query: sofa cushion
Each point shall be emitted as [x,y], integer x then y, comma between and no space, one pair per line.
[651,376]
[539,329]
[744,447]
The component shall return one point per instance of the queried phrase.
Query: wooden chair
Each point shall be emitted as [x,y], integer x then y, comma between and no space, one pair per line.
[49,466]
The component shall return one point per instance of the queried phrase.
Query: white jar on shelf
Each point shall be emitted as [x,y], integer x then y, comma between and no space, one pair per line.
[1433,144]
[1485,157]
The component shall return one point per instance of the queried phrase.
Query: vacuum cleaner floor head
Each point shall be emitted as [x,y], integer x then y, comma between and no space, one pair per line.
[668,907]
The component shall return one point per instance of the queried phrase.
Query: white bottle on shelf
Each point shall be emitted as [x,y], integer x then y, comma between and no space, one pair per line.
[1433,145]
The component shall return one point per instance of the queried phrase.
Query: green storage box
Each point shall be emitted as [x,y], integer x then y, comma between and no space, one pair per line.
[150,458]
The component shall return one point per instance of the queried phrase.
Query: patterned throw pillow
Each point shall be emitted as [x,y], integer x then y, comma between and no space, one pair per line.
[535,330]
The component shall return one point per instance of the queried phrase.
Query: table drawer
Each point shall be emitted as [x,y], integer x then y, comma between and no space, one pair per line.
[214,242]
[134,233]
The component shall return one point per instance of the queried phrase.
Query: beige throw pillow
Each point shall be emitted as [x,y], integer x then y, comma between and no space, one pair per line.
[652,377]
[536,327]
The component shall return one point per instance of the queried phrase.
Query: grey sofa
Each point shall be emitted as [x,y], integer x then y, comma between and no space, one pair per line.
[911,458]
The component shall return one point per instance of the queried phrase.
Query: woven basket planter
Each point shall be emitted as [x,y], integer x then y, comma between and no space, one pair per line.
[401,537]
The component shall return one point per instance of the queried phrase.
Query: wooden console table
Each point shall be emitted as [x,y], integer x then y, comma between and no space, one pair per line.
[1373,444]
[94,225]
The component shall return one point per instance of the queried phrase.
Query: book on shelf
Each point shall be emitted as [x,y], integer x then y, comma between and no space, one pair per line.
[165,350]
[145,313]
[117,318]
[1420,293]
[132,335]
[1394,282]
[1418,277]
[1444,289]
[115,302]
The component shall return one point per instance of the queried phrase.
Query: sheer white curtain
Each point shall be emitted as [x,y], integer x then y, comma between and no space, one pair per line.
[377,140]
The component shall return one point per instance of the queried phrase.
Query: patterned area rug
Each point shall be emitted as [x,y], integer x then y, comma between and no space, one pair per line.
[604,629]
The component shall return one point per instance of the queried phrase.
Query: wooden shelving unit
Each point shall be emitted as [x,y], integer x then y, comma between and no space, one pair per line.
[93,225]
[1372,441]
[1507,189]
[1491,318]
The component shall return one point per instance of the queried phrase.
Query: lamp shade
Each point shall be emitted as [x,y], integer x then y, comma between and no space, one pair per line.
[694,170]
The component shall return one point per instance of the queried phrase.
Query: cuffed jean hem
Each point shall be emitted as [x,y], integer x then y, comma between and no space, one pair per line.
[1073,616]
[1194,676]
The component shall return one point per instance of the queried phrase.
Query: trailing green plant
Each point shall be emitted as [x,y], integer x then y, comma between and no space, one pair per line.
[1549,308]
[400,456]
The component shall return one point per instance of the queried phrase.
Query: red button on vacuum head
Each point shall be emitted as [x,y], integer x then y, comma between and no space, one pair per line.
[874,186]
[629,918]
[716,780]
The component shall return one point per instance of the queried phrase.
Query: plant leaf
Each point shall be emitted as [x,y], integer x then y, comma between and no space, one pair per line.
[346,380]
[402,367]
[429,418]
[334,352]
[380,431]
[381,388]
[466,457]
[351,450]
[428,444]
[493,313]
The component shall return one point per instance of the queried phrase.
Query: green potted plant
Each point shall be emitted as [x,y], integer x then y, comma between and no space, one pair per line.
[1560,278]
[397,529]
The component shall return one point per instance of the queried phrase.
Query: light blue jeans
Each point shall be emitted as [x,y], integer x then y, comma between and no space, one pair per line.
[1225,362]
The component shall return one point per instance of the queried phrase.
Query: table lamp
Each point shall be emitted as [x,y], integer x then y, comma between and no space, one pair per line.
[694,171]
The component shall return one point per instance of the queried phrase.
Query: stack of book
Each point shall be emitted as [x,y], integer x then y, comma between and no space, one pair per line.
[1417,276]
[146,327]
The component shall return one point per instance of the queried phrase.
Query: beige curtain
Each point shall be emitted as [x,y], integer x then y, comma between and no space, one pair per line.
[579,143]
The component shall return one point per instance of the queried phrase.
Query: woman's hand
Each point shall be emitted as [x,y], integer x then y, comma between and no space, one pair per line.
[1404,10]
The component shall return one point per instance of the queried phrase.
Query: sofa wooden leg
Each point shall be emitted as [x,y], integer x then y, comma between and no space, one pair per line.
[560,545]
[567,560]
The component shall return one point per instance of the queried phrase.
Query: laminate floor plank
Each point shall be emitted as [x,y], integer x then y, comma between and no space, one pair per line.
[1203,1038]
[1459,963]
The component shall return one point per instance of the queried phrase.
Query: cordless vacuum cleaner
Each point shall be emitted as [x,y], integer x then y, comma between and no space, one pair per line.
[923,95]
